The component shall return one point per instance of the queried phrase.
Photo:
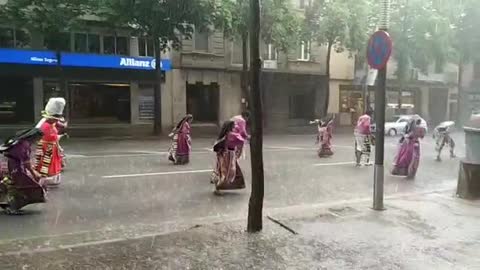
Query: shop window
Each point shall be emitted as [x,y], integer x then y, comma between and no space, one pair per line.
[99,102]
[59,42]
[351,101]
[304,51]
[51,89]
[203,101]
[201,41]
[270,52]
[16,100]
[145,47]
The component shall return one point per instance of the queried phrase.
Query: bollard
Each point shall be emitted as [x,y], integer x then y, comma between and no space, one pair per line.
[468,186]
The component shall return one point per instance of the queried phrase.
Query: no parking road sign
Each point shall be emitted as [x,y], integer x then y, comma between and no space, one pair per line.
[379,49]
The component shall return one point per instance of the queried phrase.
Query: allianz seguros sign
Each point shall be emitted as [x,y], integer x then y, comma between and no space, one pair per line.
[48,58]
[131,62]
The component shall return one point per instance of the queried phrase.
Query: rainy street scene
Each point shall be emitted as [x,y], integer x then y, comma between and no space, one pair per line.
[239,134]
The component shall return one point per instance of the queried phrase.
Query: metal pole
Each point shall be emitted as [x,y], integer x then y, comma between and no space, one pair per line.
[380,93]
[365,90]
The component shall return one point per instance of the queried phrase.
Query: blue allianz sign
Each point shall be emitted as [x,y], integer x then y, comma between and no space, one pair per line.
[29,57]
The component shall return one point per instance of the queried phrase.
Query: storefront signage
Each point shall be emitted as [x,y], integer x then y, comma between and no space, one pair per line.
[10,56]
[29,57]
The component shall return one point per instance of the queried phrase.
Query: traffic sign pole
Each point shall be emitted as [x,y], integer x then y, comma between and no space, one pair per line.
[380,96]
[379,51]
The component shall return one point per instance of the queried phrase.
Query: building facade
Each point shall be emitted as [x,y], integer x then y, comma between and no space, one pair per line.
[109,82]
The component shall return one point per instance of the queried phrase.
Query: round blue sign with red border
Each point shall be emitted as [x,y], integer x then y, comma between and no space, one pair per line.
[379,49]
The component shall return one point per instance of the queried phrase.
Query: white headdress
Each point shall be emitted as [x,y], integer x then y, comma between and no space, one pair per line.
[54,108]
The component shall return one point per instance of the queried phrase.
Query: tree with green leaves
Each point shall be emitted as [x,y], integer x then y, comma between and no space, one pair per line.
[49,18]
[166,22]
[466,42]
[279,26]
[338,25]
[421,36]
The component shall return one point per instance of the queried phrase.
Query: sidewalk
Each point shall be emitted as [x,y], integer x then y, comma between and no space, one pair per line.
[429,231]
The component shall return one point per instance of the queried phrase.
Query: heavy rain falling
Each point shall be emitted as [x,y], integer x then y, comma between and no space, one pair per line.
[239,134]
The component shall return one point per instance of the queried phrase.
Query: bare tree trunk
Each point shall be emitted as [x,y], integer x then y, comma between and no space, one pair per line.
[327,85]
[255,206]
[245,92]
[157,90]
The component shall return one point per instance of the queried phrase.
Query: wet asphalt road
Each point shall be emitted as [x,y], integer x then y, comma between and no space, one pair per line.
[110,184]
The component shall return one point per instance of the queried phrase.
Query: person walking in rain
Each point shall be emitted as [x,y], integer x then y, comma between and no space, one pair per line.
[442,136]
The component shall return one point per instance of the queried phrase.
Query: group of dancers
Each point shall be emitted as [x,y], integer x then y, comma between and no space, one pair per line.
[407,158]
[227,174]
[27,177]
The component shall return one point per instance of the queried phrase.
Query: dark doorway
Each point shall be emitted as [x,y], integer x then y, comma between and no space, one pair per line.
[203,102]
[300,106]
[16,100]
[100,102]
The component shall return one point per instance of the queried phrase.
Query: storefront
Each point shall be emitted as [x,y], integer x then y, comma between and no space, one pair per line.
[292,100]
[16,100]
[203,102]
[352,102]
[99,89]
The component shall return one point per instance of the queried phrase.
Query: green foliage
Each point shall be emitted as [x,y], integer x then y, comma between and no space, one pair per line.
[279,25]
[343,24]
[49,17]
[466,38]
[427,32]
[167,20]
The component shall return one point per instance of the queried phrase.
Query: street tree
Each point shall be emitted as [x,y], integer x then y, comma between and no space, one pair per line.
[426,35]
[466,42]
[166,22]
[279,27]
[255,206]
[338,25]
[51,19]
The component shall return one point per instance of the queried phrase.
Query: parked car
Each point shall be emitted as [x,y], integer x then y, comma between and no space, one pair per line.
[399,123]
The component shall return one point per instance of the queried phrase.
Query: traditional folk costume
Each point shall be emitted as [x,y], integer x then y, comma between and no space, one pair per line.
[241,129]
[407,160]
[324,137]
[442,136]
[48,155]
[227,174]
[179,152]
[19,187]
[363,140]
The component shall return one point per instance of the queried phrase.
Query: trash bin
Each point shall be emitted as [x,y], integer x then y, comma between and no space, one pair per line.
[468,186]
